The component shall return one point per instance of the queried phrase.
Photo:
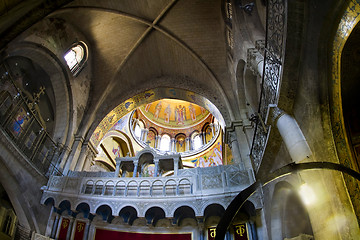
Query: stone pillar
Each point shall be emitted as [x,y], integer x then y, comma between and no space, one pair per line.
[255,59]
[55,226]
[88,153]
[135,167]
[176,166]
[187,144]
[212,129]
[87,230]
[156,171]
[291,134]
[157,141]
[173,145]
[70,229]
[74,155]
[135,121]
[146,132]
[244,147]
[117,170]
[234,147]
[64,157]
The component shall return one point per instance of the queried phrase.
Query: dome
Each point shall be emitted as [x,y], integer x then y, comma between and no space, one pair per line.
[173,113]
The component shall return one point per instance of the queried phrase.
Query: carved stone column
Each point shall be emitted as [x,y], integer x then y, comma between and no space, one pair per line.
[157,141]
[173,144]
[70,229]
[291,134]
[136,162]
[55,226]
[88,153]
[176,166]
[74,155]
[117,170]
[87,229]
[64,156]
[234,147]
[212,129]
[187,144]
[156,171]
[255,59]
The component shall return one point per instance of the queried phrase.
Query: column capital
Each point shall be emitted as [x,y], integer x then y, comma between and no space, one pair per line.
[274,113]
[254,57]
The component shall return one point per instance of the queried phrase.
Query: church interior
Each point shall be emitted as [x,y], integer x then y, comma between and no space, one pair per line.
[179,119]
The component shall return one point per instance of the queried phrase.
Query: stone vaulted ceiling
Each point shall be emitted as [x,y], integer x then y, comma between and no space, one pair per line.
[136,45]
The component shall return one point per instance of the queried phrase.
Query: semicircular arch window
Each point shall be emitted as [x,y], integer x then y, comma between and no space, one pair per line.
[76,57]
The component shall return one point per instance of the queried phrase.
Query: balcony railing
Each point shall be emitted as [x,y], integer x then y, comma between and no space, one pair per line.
[189,182]
[273,58]
[20,125]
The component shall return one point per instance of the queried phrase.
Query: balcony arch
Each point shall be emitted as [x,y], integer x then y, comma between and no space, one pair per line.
[129,214]
[99,187]
[120,188]
[105,212]
[84,209]
[181,213]
[170,188]
[153,214]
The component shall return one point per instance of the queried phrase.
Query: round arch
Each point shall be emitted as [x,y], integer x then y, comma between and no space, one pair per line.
[289,218]
[152,95]
[60,84]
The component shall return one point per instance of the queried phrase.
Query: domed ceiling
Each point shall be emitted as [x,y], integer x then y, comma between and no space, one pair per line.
[172,113]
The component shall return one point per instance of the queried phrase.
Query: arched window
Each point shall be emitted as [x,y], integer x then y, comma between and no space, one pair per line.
[165,143]
[76,57]
[196,141]
[138,127]
[137,131]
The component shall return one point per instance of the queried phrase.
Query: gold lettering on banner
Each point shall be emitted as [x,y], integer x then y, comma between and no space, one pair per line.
[240,230]
[65,223]
[212,232]
[80,226]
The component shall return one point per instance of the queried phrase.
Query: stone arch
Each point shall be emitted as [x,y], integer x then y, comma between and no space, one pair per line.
[157,188]
[144,188]
[170,187]
[64,205]
[120,188]
[153,214]
[181,213]
[109,188]
[97,131]
[132,188]
[348,25]
[129,214]
[49,201]
[99,187]
[84,209]
[185,186]
[105,211]
[285,201]
[219,208]
[60,84]
[116,134]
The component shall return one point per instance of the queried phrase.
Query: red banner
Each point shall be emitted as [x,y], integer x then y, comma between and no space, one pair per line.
[102,234]
[211,233]
[240,232]
[64,228]
[79,230]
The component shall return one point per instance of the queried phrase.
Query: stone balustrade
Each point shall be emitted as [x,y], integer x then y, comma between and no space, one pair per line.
[193,187]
